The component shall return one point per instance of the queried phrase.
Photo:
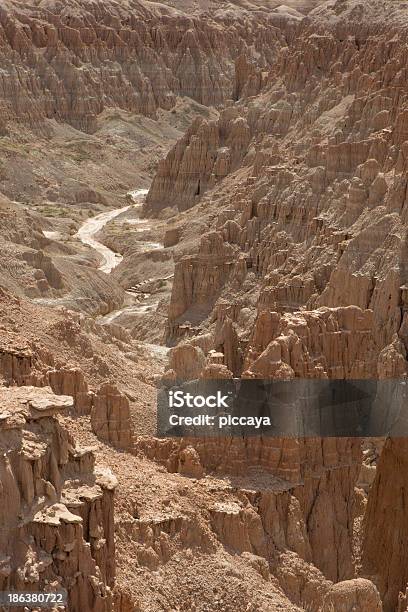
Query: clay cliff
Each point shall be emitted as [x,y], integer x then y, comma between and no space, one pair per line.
[311,214]
[384,551]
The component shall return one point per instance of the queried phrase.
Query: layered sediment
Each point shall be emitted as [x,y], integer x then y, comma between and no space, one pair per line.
[71,64]
[55,505]
[301,271]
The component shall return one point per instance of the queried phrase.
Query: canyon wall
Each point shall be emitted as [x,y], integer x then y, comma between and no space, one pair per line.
[70,63]
[298,267]
[309,216]
[385,534]
[319,476]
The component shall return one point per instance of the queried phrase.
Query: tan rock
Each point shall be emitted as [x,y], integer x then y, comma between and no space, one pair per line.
[384,526]
[359,594]
[49,511]
[186,361]
[189,463]
[198,159]
[71,381]
[198,63]
[110,417]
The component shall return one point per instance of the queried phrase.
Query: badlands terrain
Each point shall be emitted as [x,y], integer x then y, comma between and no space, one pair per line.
[199,189]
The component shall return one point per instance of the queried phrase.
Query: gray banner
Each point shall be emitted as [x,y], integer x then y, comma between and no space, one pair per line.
[298,408]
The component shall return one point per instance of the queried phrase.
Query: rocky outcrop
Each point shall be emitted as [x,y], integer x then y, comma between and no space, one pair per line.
[239,528]
[186,362]
[263,528]
[291,263]
[16,365]
[248,78]
[302,274]
[314,472]
[108,408]
[198,281]
[358,594]
[189,463]
[54,504]
[206,154]
[305,273]
[384,550]
[71,381]
[326,343]
[314,202]
[110,417]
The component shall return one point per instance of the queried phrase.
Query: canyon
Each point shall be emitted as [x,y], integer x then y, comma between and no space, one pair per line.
[199,190]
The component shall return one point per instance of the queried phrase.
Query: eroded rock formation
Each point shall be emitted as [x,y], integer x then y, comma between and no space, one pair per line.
[298,268]
[53,503]
[385,529]
[207,153]
[110,417]
[87,57]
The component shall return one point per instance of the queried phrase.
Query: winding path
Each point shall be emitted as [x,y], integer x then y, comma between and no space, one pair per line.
[91,227]
[110,259]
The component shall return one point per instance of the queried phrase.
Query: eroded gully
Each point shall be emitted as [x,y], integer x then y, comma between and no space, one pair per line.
[86,234]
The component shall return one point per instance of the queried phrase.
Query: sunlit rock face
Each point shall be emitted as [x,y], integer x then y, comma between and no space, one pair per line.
[53,503]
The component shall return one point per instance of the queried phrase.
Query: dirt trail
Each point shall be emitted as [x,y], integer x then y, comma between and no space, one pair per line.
[87,233]
[134,304]
[91,227]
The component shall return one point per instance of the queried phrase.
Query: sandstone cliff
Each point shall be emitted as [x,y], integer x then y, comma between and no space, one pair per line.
[384,529]
[310,213]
